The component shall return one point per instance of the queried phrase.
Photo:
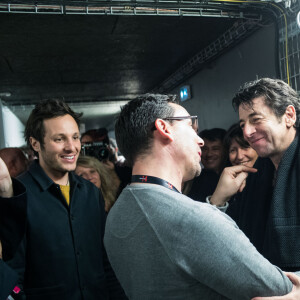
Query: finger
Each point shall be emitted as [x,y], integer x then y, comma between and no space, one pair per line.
[240,178]
[241,168]
[293,278]
[242,186]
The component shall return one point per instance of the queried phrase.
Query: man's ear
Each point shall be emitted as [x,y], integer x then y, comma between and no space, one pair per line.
[290,116]
[35,144]
[164,129]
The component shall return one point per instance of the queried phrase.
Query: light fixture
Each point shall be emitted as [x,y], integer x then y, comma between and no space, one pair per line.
[298,19]
[5,94]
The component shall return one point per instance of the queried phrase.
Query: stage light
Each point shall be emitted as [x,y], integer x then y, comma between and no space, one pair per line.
[298,19]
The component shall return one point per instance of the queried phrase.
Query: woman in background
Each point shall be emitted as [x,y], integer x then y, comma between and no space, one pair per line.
[92,169]
[238,149]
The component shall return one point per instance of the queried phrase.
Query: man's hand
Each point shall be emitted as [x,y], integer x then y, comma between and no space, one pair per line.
[232,180]
[293,295]
[0,250]
[6,189]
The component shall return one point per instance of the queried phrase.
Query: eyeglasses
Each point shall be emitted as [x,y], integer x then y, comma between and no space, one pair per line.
[194,120]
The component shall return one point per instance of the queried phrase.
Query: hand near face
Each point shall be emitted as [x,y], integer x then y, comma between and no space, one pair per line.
[232,180]
[6,189]
[293,295]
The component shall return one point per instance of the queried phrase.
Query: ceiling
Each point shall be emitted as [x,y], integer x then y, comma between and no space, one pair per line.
[95,62]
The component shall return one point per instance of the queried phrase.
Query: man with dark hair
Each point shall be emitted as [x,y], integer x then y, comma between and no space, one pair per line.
[213,152]
[62,255]
[162,244]
[268,209]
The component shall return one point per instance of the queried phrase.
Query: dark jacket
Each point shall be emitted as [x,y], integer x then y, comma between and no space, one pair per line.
[62,255]
[268,210]
[12,229]
[204,185]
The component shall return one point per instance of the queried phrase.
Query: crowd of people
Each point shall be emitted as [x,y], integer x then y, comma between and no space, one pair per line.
[213,214]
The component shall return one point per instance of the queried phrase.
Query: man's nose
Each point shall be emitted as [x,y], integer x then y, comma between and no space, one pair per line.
[70,145]
[200,142]
[248,130]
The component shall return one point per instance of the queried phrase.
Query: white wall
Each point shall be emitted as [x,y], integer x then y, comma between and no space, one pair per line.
[213,88]
[11,128]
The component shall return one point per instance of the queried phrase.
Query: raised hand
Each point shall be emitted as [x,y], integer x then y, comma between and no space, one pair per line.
[232,180]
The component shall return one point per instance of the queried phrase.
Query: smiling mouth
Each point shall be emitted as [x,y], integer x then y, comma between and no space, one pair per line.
[69,157]
[254,141]
[244,162]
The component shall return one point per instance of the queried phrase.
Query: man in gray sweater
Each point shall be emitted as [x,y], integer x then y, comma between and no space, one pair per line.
[163,245]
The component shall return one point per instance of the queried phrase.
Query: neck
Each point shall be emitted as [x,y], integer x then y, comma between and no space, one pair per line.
[61,178]
[156,167]
[289,138]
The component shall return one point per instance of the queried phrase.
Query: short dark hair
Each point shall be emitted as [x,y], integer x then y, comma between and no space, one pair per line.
[135,124]
[235,133]
[213,134]
[45,110]
[277,94]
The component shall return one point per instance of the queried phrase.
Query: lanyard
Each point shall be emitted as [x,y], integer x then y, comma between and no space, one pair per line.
[152,179]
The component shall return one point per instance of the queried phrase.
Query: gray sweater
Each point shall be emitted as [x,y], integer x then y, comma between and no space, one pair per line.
[163,245]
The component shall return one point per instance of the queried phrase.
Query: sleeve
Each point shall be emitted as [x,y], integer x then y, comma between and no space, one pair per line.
[8,280]
[13,219]
[115,290]
[212,250]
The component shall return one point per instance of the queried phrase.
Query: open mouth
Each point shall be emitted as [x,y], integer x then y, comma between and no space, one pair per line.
[70,158]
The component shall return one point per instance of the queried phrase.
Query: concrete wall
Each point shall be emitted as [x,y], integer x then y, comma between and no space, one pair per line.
[213,88]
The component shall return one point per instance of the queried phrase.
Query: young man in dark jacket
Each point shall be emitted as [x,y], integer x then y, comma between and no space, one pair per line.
[62,255]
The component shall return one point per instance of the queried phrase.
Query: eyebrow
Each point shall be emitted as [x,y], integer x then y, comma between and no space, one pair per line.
[250,116]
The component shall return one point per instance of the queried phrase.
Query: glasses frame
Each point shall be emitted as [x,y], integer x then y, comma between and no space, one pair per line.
[193,118]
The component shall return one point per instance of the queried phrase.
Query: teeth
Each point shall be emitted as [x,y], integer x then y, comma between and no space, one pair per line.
[69,157]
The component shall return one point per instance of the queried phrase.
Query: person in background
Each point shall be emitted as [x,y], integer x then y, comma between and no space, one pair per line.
[238,149]
[213,151]
[96,172]
[15,160]
[94,136]
[121,172]
[213,160]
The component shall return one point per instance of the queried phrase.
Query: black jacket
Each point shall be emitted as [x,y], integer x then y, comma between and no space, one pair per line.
[12,229]
[62,255]
[268,210]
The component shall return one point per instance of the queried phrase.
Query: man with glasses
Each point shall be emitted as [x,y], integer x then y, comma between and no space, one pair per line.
[162,244]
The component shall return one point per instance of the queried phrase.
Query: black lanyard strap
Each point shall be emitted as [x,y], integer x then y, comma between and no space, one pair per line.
[152,179]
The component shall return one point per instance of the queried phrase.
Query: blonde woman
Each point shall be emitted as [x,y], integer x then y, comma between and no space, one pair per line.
[102,177]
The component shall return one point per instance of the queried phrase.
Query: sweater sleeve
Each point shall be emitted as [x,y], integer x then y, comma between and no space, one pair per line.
[211,249]
[8,280]
[13,219]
